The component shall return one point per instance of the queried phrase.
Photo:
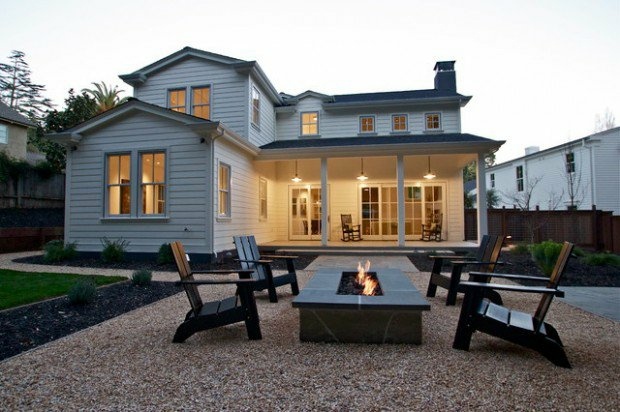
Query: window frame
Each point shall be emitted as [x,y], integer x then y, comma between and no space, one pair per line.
[406,122]
[255,106]
[570,162]
[227,190]
[361,124]
[141,184]
[4,134]
[193,105]
[108,185]
[492,178]
[519,174]
[439,122]
[263,204]
[168,99]
[302,124]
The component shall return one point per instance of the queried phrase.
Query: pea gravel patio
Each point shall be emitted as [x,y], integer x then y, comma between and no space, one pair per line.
[130,363]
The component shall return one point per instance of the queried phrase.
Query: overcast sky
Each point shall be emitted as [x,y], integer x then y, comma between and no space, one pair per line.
[539,71]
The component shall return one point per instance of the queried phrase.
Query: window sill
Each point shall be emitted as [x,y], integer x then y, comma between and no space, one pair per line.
[223,219]
[362,134]
[306,136]
[133,219]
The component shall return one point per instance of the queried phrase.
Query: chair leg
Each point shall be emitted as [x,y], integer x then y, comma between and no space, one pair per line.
[465,329]
[252,322]
[553,351]
[184,331]
[455,278]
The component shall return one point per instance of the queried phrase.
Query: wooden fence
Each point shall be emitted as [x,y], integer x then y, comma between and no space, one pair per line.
[592,229]
[33,191]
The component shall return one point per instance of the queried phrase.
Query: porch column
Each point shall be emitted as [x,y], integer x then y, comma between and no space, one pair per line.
[483,224]
[324,211]
[400,196]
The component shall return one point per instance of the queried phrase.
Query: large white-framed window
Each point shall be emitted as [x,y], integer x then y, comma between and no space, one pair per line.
[519,172]
[118,184]
[224,193]
[176,100]
[4,134]
[153,183]
[399,123]
[367,124]
[201,102]
[432,121]
[309,123]
[255,107]
[262,198]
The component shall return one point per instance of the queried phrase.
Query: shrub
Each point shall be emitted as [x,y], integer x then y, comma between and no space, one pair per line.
[545,255]
[164,255]
[579,252]
[113,250]
[141,277]
[602,259]
[57,251]
[520,249]
[82,292]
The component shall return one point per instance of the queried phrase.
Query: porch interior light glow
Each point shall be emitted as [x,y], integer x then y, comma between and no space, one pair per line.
[362,177]
[296,178]
[429,175]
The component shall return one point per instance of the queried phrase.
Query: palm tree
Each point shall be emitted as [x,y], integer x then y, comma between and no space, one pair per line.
[106,97]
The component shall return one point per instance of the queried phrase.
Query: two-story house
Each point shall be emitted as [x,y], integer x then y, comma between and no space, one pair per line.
[13,132]
[576,175]
[208,149]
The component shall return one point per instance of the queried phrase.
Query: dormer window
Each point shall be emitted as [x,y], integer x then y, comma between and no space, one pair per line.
[201,102]
[176,100]
[309,123]
[367,124]
[399,122]
[433,121]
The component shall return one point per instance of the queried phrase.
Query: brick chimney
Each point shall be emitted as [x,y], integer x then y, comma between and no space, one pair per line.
[445,76]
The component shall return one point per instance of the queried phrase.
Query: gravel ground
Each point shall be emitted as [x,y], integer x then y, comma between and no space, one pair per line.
[130,363]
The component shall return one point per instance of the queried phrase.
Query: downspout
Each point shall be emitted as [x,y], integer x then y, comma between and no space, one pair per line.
[210,190]
[593,199]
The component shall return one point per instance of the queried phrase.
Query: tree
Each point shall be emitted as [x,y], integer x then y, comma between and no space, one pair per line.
[19,92]
[105,97]
[606,122]
[492,199]
[575,188]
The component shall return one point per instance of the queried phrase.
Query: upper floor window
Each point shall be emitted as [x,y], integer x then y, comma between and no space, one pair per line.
[519,178]
[492,180]
[224,190]
[399,122]
[201,102]
[262,198]
[4,134]
[367,124]
[255,106]
[570,162]
[309,123]
[433,121]
[176,100]
[153,183]
[118,184]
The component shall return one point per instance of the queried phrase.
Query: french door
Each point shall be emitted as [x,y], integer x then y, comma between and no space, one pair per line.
[305,212]
[379,209]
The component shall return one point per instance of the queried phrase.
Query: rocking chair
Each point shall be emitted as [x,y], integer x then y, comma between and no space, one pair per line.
[349,230]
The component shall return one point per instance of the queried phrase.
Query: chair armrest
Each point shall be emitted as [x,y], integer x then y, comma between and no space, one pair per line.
[510,276]
[222,272]
[214,282]
[279,257]
[450,257]
[473,262]
[262,261]
[511,288]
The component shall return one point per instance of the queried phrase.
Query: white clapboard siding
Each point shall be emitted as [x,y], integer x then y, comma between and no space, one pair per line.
[607,169]
[186,185]
[266,131]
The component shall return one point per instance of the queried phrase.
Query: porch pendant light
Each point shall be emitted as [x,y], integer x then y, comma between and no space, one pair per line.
[429,175]
[296,178]
[362,177]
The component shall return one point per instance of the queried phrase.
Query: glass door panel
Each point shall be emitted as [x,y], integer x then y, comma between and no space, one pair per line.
[370,212]
[305,213]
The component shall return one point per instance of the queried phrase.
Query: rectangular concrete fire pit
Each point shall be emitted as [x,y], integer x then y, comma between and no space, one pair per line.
[394,317]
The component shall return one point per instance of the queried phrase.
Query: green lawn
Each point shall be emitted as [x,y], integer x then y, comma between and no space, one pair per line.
[19,288]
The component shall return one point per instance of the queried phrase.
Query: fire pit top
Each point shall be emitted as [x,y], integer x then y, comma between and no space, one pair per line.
[398,293]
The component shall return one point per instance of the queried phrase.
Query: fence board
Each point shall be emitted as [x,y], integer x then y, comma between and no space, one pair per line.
[33,191]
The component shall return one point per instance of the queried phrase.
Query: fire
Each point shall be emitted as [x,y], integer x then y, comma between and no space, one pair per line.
[368,283]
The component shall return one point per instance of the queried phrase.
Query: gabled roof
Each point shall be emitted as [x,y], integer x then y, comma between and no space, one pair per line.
[10,115]
[288,99]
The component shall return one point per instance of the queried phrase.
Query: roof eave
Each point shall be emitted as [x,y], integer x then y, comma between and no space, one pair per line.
[461,100]
[253,68]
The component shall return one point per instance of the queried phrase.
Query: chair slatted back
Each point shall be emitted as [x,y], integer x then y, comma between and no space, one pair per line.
[347,221]
[492,252]
[482,249]
[248,250]
[554,281]
[185,273]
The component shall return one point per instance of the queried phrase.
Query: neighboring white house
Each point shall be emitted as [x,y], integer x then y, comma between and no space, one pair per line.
[580,173]
[208,147]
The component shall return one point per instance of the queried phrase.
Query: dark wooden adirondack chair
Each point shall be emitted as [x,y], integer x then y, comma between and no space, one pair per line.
[530,331]
[241,307]
[489,251]
[349,230]
[251,259]
[431,230]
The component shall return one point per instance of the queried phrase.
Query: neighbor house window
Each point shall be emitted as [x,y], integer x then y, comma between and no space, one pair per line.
[492,179]
[367,124]
[519,178]
[255,106]
[224,190]
[433,121]
[570,162]
[119,184]
[4,134]
[262,198]
[176,100]
[201,102]
[309,123]
[399,123]
[153,183]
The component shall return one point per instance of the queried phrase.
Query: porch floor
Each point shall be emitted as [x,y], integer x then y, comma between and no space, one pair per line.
[366,246]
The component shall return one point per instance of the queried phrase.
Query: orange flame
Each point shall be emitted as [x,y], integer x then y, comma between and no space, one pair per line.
[368,283]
